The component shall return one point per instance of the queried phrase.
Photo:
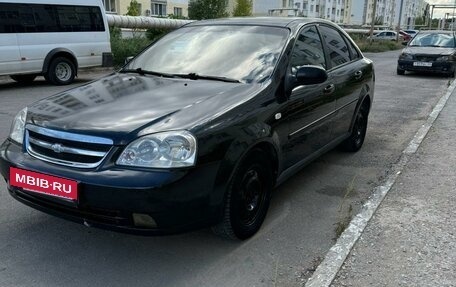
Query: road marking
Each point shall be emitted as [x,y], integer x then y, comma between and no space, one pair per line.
[328,269]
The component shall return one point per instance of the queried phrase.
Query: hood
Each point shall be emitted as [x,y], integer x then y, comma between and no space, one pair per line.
[429,51]
[120,106]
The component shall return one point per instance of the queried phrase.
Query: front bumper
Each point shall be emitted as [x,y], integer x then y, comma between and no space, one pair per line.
[436,67]
[114,198]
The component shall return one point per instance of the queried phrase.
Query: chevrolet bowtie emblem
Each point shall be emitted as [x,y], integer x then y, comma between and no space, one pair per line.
[58,148]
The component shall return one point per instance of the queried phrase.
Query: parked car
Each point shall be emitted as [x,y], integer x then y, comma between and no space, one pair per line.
[405,36]
[52,38]
[411,32]
[194,131]
[429,51]
[386,35]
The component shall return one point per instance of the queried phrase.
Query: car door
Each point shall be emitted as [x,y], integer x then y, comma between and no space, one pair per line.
[348,72]
[310,107]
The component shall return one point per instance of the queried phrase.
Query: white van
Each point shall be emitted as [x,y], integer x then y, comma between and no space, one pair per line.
[51,38]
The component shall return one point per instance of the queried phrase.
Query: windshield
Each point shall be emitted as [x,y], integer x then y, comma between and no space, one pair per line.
[433,40]
[243,53]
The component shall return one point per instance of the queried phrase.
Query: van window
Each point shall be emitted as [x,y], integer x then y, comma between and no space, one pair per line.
[38,18]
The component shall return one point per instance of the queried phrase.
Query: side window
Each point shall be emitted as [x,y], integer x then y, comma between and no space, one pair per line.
[9,18]
[353,51]
[337,47]
[308,50]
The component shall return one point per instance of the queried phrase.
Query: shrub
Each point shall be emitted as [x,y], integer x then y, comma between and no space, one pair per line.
[125,47]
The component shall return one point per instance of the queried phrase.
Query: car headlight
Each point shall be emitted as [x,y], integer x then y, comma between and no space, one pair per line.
[18,126]
[406,56]
[443,59]
[161,150]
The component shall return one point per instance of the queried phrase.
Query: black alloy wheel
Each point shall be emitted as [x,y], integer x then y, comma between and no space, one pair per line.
[247,199]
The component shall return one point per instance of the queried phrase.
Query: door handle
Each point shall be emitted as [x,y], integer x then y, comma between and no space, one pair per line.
[358,75]
[329,89]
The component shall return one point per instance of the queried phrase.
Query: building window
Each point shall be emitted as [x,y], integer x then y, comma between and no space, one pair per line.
[158,9]
[317,8]
[178,11]
[110,5]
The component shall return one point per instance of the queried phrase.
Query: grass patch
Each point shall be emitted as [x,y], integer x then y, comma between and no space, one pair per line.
[378,46]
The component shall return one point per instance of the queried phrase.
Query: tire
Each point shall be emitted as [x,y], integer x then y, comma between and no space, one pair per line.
[25,79]
[247,198]
[61,71]
[400,71]
[356,139]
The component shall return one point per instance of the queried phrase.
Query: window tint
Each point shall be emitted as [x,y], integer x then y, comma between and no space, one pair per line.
[35,18]
[353,51]
[337,47]
[308,50]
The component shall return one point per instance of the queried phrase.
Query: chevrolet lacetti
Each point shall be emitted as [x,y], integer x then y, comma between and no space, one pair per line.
[194,131]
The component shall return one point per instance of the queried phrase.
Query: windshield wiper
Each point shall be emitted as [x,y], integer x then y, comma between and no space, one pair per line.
[146,72]
[194,76]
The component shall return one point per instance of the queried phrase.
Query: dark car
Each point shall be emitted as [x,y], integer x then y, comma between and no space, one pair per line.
[194,131]
[429,51]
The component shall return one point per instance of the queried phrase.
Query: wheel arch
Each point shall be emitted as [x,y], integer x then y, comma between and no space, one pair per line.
[59,52]
[236,153]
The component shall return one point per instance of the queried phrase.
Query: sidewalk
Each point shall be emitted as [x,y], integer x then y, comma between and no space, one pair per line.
[411,239]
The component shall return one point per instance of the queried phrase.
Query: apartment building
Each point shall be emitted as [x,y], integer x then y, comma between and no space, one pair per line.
[350,12]
[156,8]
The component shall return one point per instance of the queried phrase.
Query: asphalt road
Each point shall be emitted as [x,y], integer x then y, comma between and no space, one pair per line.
[37,249]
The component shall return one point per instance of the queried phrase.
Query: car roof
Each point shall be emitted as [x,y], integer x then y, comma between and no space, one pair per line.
[262,21]
[436,32]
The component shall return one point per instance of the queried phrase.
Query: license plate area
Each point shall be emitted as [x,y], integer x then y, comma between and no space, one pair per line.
[44,184]
[422,64]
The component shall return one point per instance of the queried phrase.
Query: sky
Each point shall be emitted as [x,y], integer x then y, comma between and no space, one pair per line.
[440,13]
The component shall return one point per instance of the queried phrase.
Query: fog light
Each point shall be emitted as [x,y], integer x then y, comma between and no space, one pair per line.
[144,220]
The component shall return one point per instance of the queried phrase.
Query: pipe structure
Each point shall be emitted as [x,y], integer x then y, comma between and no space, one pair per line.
[142,22]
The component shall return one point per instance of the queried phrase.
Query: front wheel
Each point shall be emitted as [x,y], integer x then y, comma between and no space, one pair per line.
[400,71]
[61,71]
[247,199]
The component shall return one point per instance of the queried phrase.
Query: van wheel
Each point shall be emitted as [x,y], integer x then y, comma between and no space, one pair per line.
[247,199]
[23,78]
[61,71]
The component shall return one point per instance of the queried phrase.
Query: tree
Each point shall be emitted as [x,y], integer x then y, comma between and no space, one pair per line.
[207,9]
[243,8]
[133,9]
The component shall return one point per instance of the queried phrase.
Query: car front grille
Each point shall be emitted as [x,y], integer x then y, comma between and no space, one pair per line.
[64,148]
[425,58]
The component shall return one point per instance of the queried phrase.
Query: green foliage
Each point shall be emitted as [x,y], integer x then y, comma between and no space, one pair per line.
[378,46]
[243,8]
[154,33]
[133,9]
[123,48]
[419,21]
[207,9]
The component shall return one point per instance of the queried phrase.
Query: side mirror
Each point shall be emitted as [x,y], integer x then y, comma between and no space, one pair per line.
[404,43]
[128,59]
[310,75]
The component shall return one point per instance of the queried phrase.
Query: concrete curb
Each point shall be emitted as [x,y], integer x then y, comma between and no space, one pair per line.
[328,269]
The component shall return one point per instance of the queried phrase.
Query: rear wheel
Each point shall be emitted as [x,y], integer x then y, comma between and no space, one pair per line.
[400,71]
[23,78]
[247,199]
[356,139]
[61,71]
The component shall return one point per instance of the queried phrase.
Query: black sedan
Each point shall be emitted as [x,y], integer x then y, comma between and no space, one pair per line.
[429,51]
[194,131]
